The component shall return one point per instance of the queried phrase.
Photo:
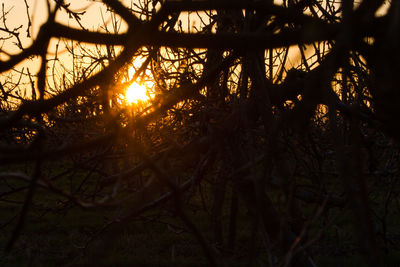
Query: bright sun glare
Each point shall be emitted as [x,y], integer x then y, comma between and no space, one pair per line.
[136,93]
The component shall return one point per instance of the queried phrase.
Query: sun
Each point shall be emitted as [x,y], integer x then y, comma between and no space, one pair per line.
[136,93]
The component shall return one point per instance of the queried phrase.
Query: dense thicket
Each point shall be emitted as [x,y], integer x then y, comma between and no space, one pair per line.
[282,114]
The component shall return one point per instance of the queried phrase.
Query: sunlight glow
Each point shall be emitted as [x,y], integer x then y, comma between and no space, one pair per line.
[136,93]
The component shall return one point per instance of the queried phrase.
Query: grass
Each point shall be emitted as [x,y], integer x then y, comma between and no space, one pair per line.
[55,234]
[57,238]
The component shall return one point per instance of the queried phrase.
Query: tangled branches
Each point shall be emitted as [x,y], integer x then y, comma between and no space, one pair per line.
[286,110]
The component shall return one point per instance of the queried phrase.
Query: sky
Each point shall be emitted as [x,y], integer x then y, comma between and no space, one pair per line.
[16,16]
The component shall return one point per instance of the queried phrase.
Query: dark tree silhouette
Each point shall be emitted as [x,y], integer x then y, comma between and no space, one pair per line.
[284,114]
